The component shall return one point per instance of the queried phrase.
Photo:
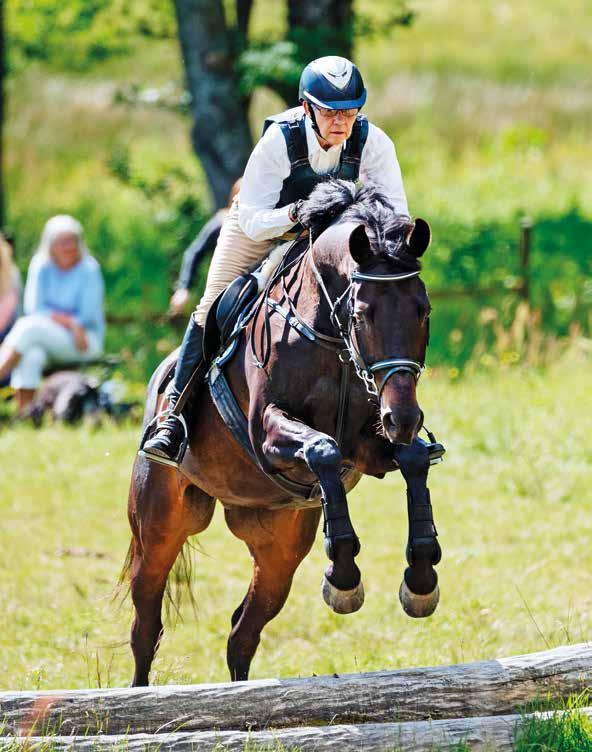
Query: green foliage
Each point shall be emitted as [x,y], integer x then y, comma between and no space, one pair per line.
[478,152]
[272,64]
[278,63]
[485,256]
[80,33]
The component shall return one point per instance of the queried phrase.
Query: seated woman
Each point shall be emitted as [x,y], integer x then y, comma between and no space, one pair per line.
[10,288]
[64,320]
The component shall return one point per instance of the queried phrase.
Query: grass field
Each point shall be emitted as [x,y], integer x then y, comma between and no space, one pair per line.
[512,506]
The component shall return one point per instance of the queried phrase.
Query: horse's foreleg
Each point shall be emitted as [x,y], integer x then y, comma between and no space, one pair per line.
[419,592]
[288,443]
[278,542]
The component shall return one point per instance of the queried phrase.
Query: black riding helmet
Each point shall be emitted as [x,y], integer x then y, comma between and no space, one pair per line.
[332,82]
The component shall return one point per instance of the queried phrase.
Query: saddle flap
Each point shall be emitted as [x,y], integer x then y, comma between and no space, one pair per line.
[233,302]
[225,311]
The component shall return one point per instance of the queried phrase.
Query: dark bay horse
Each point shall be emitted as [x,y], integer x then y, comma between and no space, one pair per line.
[325,373]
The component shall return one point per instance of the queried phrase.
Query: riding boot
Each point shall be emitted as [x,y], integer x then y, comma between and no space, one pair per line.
[167,446]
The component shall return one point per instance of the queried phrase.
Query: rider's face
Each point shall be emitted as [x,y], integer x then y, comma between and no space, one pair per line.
[335,128]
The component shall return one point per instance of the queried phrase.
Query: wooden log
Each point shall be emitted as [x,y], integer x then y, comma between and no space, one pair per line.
[490,733]
[475,689]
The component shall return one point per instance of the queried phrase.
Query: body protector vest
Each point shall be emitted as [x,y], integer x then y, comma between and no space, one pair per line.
[302,178]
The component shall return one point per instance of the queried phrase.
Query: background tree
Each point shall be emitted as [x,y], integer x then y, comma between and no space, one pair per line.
[224,65]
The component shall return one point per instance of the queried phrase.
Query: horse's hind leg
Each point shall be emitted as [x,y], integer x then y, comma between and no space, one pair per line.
[162,513]
[278,542]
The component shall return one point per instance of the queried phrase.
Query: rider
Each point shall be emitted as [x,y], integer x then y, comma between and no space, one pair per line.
[299,148]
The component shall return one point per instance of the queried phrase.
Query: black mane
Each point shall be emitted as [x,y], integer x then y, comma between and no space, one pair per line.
[341,200]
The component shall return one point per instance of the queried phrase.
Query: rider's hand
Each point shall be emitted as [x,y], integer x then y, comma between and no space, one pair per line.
[179,300]
[80,338]
[293,211]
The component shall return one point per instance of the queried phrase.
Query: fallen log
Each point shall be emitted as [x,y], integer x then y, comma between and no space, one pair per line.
[467,690]
[490,733]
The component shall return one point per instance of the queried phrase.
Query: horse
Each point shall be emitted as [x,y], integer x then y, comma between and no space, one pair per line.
[323,374]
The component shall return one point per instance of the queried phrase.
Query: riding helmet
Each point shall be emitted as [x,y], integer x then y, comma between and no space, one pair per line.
[332,82]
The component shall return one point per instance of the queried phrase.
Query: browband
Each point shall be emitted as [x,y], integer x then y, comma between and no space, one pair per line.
[363,277]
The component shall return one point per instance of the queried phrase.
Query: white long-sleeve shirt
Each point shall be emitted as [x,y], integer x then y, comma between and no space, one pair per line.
[269,166]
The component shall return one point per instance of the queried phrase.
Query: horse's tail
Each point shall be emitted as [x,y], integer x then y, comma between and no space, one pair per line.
[178,587]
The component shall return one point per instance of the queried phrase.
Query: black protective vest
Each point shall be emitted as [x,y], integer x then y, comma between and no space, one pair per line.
[302,178]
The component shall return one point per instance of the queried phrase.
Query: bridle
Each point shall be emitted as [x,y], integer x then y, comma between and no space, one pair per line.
[352,352]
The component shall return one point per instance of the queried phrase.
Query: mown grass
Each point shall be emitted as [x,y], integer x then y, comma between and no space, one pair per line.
[512,507]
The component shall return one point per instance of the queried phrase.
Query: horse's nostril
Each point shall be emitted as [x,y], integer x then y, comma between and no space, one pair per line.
[402,425]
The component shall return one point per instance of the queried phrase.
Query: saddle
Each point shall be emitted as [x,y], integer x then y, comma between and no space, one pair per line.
[227,314]
[229,307]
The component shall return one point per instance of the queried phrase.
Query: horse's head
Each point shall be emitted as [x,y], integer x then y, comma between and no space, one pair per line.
[390,309]
[386,309]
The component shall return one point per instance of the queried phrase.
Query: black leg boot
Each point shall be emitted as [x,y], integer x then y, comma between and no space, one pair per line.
[166,446]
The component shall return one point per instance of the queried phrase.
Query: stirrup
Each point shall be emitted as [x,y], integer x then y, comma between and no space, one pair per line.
[158,457]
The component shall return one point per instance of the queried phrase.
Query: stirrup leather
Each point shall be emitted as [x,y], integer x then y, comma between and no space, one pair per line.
[158,457]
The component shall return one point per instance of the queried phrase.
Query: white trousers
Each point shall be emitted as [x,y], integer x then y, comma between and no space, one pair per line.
[41,342]
[235,254]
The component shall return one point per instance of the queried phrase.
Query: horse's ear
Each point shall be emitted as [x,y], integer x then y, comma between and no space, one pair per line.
[419,237]
[359,245]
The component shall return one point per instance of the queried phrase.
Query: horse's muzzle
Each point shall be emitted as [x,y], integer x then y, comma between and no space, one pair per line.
[401,424]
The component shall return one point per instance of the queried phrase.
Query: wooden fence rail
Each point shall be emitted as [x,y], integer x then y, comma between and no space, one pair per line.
[486,688]
[491,733]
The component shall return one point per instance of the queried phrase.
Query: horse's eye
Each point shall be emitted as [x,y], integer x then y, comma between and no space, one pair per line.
[362,312]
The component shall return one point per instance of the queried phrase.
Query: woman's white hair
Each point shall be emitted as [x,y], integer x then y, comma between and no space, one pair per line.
[61,224]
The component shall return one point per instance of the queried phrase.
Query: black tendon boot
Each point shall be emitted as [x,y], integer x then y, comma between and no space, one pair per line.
[167,446]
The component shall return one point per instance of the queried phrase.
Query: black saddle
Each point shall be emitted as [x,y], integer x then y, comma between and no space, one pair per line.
[224,314]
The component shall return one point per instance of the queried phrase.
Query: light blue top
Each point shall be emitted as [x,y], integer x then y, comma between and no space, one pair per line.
[77,291]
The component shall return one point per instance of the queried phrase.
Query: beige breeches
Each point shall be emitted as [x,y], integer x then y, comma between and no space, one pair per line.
[235,254]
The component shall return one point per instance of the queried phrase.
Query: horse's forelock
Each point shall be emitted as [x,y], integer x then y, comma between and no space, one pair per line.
[342,200]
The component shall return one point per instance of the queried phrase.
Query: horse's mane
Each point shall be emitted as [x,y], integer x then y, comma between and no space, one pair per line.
[341,200]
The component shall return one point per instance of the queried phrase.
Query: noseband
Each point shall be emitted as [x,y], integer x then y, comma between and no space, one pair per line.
[364,370]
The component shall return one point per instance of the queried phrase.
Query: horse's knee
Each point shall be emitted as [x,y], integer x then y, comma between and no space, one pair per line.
[322,453]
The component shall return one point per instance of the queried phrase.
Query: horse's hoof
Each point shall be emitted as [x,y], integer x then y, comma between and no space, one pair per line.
[418,606]
[343,601]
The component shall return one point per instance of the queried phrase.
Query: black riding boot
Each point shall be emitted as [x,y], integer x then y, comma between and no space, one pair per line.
[166,446]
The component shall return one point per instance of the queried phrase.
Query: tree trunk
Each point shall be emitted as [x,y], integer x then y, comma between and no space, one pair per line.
[334,16]
[317,28]
[220,134]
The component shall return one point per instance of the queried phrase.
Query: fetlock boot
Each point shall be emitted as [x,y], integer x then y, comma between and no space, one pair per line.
[168,444]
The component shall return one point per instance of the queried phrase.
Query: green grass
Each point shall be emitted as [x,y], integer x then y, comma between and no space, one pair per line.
[564,730]
[512,507]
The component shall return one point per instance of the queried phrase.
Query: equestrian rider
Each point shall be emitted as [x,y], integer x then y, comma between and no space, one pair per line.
[299,148]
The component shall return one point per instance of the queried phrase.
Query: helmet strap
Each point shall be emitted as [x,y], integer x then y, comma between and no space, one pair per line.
[313,119]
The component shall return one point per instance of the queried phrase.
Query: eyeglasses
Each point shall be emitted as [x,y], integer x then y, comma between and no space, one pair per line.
[325,112]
